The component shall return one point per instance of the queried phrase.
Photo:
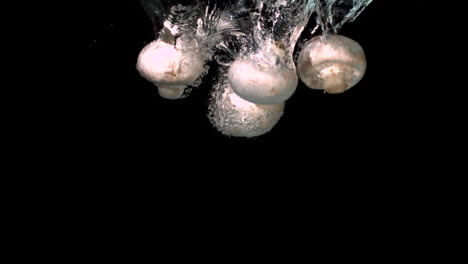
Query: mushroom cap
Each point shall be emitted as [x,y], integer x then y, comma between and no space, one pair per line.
[262,83]
[168,65]
[335,65]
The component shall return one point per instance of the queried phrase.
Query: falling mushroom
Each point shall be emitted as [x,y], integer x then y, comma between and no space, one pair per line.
[170,66]
[263,77]
[334,63]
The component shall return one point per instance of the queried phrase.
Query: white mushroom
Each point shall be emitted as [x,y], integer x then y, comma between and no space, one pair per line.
[334,64]
[170,67]
[237,117]
[263,78]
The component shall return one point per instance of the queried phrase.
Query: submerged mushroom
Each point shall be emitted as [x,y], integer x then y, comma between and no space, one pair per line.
[234,116]
[263,77]
[170,66]
[333,64]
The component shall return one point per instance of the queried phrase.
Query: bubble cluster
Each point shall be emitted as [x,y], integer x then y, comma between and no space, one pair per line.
[234,116]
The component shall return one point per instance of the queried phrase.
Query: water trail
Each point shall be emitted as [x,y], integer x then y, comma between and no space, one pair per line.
[266,22]
[331,15]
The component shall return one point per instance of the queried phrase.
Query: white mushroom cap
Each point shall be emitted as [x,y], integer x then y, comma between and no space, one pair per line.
[234,116]
[334,65]
[169,66]
[262,78]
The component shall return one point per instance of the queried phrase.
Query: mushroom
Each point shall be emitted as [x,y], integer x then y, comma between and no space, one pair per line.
[234,116]
[263,77]
[333,64]
[170,66]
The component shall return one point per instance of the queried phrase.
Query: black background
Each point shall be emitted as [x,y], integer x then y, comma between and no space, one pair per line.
[132,113]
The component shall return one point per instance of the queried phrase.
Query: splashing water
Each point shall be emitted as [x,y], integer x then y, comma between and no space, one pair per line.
[331,15]
[248,25]
[271,24]
[206,23]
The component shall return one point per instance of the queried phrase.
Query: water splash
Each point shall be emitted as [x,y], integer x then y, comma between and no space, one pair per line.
[206,23]
[242,27]
[331,15]
[266,22]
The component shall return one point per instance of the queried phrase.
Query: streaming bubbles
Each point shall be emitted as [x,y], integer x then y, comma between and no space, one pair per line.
[331,15]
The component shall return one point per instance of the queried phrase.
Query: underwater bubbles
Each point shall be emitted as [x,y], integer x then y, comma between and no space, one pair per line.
[234,116]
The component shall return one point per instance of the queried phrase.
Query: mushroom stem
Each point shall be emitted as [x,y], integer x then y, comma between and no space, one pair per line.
[334,84]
